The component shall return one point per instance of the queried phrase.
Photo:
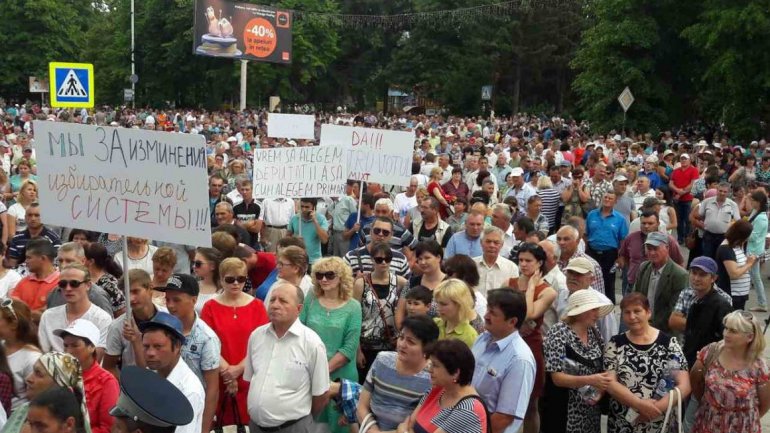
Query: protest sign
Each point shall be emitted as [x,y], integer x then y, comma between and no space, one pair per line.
[296,172]
[290,126]
[129,182]
[374,155]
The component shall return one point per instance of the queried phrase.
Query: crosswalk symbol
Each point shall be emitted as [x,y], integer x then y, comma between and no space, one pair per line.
[72,84]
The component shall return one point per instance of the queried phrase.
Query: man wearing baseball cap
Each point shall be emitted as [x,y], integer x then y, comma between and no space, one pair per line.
[521,190]
[163,338]
[580,273]
[700,308]
[660,279]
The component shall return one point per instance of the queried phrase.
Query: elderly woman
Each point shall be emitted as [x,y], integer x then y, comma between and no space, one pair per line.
[454,304]
[456,186]
[332,313]
[574,365]
[452,405]
[235,168]
[456,221]
[52,369]
[405,370]
[378,292]
[641,362]
[730,378]
[733,263]
[292,264]
[102,389]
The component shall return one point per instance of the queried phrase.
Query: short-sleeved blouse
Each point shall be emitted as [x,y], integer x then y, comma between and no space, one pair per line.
[468,416]
[639,368]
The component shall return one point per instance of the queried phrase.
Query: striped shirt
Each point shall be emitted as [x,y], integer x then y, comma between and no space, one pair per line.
[361,261]
[393,396]
[734,286]
[551,200]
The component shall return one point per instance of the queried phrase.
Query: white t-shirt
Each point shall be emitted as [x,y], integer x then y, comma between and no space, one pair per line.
[402,204]
[8,282]
[21,363]
[56,318]
[144,263]
[17,211]
[306,284]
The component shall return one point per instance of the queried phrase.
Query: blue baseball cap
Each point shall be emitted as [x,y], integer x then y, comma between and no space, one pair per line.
[706,264]
[166,321]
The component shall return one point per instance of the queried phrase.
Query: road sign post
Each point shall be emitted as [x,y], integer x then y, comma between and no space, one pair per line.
[72,84]
[626,99]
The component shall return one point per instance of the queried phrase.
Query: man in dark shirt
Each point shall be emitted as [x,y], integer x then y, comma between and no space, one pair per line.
[247,212]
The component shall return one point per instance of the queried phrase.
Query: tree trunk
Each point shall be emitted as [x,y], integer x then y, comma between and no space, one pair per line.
[516,93]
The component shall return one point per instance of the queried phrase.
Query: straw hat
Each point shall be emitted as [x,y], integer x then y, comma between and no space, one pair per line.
[586,300]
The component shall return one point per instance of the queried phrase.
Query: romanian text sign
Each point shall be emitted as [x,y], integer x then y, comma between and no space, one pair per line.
[290,126]
[374,155]
[296,172]
[125,181]
[242,31]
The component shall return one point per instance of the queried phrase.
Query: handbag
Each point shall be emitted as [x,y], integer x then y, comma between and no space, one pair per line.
[673,394]
[238,427]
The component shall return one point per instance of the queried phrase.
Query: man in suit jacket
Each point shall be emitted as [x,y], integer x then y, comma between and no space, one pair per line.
[660,279]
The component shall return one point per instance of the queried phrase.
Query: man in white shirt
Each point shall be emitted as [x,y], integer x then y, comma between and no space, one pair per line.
[162,339]
[643,191]
[287,368]
[276,214]
[521,190]
[74,282]
[501,218]
[553,276]
[495,271]
[580,273]
[406,200]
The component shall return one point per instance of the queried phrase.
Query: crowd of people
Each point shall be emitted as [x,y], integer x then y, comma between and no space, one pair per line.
[479,298]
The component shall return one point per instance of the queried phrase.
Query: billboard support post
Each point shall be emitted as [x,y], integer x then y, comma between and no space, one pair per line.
[244,68]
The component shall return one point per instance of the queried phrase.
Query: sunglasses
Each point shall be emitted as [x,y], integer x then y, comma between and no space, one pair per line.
[381,232]
[325,275]
[198,263]
[381,260]
[231,280]
[72,283]
[7,303]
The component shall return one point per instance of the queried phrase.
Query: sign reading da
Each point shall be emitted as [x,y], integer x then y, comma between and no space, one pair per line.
[72,84]
[129,182]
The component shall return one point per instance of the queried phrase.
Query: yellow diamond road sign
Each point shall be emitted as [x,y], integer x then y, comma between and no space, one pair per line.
[626,99]
[72,84]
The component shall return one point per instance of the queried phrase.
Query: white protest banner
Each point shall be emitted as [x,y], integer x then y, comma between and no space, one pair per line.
[290,126]
[129,182]
[374,155]
[296,172]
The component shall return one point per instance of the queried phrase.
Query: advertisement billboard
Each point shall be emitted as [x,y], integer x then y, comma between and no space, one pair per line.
[242,31]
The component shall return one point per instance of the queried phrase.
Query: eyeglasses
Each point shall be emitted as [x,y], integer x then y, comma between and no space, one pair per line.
[72,283]
[7,303]
[381,260]
[330,275]
[240,279]
[198,263]
[381,232]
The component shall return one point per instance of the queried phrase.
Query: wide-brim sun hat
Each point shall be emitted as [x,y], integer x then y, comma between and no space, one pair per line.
[586,300]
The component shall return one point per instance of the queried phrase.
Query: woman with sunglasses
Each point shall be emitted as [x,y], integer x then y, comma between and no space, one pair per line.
[206,268]
[292,264]
[52,370]
[21,344]
[730,378]
[428,256]
[233,315]
[330,310]
[378,292]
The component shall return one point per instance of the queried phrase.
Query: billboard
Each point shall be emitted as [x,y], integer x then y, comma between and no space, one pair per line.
[242,31]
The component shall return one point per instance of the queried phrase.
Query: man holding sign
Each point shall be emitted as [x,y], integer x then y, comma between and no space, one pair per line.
[313,228]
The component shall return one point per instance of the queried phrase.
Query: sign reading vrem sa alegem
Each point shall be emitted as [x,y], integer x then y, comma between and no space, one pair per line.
[129,182]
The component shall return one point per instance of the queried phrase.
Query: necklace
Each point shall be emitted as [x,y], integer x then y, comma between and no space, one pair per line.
[235,312]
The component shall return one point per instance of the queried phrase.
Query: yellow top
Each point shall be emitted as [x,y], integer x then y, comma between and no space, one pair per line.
[463,332]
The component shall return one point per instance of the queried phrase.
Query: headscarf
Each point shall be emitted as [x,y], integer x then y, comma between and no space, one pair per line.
[66,372]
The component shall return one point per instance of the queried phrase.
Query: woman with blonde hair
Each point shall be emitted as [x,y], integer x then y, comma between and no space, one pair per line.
[292,264]
[550,198]
[730,378]
[23,174]
[454,304]
[16,213]
[435,190]
[235,168]
[332,313]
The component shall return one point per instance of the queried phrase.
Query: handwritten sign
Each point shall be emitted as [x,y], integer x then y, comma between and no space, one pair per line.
[374,155]
[296,172]
[130,182]
[290,126]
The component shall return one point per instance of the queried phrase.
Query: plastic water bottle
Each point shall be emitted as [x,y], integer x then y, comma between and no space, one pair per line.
[588,393]
[667,382]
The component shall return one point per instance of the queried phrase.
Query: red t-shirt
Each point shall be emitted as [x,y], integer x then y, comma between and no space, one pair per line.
[681,177]
[468,416]
[265,265]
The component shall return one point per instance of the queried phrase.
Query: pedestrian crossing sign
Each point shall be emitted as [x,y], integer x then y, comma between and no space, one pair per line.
[72,84]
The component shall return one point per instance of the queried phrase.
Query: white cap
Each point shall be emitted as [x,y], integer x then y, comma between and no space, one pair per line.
[517,171]
[231,139]
[702,143]
[617,137]
[620,178]
[684,155]
[81,328]
[292,143]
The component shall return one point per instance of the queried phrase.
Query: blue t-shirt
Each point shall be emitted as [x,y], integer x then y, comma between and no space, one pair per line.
[263,288]
[358,239]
